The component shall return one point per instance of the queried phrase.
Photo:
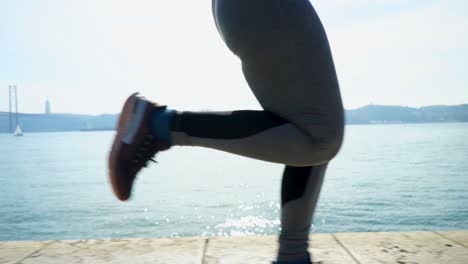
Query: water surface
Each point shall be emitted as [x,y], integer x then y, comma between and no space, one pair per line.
[386,178]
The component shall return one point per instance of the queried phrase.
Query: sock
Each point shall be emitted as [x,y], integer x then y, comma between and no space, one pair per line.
[161,124]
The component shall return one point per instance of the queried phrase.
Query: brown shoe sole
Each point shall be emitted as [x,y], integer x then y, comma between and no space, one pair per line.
[122,125]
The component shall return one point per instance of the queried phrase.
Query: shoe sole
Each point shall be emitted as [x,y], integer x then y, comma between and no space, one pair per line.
[122,127]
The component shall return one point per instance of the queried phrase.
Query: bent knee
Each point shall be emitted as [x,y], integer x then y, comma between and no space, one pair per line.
[322,149]
[333,144]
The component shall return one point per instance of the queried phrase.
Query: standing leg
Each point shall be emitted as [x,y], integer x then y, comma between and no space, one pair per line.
[300,191]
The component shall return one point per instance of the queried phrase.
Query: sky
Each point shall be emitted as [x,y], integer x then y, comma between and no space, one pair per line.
[87,56]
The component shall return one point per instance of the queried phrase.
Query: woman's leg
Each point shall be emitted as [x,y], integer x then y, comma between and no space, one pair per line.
[256,134]
[300,191]
[287,62]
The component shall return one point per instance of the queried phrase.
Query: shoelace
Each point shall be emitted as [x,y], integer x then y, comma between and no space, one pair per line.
[144,154]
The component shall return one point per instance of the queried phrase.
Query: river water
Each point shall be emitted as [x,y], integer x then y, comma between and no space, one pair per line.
[385,178]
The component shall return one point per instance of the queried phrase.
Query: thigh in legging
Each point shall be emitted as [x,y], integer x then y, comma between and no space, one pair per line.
[291,72]
[285,57]
[287,63]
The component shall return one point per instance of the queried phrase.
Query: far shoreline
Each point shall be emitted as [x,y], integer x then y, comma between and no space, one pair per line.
[349,124]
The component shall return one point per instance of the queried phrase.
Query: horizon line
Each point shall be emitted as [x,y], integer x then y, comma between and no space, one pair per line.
[208,110]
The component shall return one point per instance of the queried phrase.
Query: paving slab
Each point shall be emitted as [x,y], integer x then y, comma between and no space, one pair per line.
[13,251]
[460,237]
[326,249]
[141,251]
[398,247]
[262,249]
[249,249]
[403,247]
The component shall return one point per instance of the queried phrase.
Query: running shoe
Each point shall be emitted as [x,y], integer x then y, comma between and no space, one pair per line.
[134,145]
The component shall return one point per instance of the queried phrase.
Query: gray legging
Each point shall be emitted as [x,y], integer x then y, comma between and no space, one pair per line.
[287,63]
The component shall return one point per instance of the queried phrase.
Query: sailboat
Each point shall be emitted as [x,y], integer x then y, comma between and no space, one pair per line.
[18,132]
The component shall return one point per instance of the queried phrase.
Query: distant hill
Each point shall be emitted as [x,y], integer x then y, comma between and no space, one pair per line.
[379,114]
[370,114]
[60,122]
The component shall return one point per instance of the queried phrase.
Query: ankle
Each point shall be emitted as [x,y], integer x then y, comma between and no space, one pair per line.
[304,260]
[161,124]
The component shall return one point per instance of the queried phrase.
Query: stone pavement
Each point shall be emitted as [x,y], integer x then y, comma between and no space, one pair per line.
[382,247]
